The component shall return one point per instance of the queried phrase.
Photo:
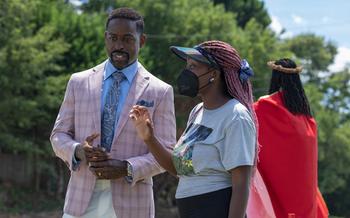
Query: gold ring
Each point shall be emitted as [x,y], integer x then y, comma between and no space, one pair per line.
[99,174]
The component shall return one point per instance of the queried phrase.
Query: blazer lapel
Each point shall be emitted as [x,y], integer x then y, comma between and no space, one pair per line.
[95,87]
[138,86]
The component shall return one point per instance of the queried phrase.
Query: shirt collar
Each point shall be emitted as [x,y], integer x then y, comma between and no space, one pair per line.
[129,72]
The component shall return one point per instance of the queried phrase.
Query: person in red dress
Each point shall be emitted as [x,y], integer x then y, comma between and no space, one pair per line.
[288,139]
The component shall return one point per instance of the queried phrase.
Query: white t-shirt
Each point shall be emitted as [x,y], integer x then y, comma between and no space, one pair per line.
[214,142]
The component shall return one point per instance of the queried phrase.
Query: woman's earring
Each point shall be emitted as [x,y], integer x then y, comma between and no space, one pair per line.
[211,80]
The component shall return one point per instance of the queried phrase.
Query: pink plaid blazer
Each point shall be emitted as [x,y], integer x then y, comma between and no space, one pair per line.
[80,116]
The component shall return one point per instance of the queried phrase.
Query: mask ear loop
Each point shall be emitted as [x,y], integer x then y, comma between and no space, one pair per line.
[211,80]
[205,73]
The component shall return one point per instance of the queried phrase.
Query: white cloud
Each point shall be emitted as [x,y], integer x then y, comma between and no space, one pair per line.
[342,59]
[297,19]
[276,25]
[76,2]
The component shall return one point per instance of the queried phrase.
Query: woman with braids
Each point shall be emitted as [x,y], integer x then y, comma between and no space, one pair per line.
[288,139]
[215,156]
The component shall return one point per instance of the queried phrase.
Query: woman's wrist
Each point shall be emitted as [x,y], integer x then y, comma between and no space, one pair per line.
[151,140]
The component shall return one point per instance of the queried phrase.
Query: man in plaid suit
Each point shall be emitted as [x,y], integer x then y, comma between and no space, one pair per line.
[111,168]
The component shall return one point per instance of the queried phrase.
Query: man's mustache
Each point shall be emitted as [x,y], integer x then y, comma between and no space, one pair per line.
[120,52]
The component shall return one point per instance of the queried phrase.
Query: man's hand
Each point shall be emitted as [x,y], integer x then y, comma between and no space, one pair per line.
[94,154]
[109,169]
[87,153]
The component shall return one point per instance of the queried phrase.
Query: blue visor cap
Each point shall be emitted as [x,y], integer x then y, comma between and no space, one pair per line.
[195,53]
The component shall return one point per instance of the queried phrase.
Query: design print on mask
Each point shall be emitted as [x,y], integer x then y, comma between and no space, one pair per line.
[182,154]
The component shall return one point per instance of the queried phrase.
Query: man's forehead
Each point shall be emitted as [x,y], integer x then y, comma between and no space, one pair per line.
[122,22]
[122,27]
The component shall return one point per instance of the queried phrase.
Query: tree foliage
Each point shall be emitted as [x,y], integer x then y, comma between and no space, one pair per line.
[315,53]
[246,10]
[28,56]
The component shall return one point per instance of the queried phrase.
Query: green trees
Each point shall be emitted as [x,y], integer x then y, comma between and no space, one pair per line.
[246,10]
[28,56]
[314,52]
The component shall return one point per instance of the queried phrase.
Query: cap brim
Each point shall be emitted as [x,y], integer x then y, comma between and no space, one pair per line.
[184,53]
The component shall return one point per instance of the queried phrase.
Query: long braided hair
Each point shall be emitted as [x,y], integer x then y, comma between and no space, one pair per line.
[229,62]
[293,94]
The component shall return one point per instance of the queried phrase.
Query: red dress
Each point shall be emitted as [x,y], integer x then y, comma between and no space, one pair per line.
[288,159]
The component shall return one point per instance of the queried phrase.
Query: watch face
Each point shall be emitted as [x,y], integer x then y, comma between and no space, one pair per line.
[129,169]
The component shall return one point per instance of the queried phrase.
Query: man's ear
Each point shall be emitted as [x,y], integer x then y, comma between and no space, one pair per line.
[143,38]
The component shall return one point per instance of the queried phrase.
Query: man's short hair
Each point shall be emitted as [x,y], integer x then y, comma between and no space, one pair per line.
[128,14]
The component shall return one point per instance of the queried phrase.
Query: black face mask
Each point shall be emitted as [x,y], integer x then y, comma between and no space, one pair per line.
[188,83]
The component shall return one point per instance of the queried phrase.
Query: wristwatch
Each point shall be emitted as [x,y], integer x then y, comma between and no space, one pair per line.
[129,170]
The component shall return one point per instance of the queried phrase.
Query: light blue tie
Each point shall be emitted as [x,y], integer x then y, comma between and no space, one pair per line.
[110,111]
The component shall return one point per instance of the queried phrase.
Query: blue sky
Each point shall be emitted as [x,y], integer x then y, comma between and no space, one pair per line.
[330,19]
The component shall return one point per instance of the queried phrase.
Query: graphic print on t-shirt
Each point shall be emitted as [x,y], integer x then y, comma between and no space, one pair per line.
[182,154]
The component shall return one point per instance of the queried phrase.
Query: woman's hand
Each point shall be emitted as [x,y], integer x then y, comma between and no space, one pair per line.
[144,127]
[142,121]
